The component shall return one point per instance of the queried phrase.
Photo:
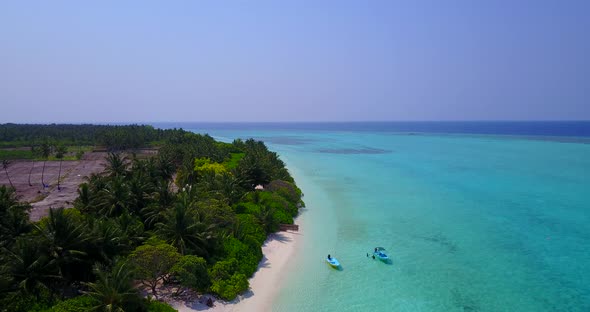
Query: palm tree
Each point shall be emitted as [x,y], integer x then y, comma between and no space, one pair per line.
[266,217]
[59,175]
[66,240]
[14,217]
[269,203]
[161,199]
[45,153]
[28,266]
[60,153]
[152,214]
[5,164]
[113,291]
[96,182]
[165,168]
[30,172]
[183,229]
[84,197]
[163,194]
[116,165]
[113,200]
[230,188]
[140,193]
[132,229]
[108,240]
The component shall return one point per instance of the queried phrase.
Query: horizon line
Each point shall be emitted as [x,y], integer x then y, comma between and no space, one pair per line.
[292,122]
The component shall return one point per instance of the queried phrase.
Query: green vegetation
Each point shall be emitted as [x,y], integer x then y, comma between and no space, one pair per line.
[233,161]
[191,271]
[127,224]
[111,137]
[157,306]
[16,154]
[77,304]
[114,291]
[65,153]
[13,217]
[153,261]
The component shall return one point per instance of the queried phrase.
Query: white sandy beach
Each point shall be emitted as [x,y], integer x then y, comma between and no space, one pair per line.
[277,250]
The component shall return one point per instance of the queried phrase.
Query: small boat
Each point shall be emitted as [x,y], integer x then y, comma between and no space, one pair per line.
[380,254]
[333,262]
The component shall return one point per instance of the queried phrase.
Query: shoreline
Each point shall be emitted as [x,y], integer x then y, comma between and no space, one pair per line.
[277,251]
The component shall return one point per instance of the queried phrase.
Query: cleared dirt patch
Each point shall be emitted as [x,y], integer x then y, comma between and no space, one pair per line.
[42,198]
[73,173]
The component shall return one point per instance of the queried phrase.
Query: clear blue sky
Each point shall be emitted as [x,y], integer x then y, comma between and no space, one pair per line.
[117,61]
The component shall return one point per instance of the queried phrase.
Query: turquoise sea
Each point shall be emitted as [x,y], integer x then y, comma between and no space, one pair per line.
[473,222]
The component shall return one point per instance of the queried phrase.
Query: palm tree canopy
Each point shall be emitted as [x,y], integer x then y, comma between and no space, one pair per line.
[114,290]
[14,216]
[183,229]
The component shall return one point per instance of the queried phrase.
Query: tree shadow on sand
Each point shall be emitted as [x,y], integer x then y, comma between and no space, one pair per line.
[280,237]
[264,262]
[201,303]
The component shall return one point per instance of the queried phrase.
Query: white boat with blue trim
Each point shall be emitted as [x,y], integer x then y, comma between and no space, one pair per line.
[380,254]
[333,262]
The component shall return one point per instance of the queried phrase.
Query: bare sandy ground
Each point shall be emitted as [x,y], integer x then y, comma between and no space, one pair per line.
[73,173]
[43,198]
[264,285]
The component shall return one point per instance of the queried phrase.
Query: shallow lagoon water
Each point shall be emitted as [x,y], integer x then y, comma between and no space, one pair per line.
[471,222]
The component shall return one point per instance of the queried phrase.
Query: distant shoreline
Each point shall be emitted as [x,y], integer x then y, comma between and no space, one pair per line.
[561,131]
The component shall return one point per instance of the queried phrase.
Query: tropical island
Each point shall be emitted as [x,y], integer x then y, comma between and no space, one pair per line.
[121,218]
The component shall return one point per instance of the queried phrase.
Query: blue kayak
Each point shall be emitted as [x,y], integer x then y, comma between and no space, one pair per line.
[333,262]
[380,254]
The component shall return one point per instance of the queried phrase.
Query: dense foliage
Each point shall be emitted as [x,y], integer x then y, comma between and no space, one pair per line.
[13,216]
[112,137]
[191,271]
[131,224]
